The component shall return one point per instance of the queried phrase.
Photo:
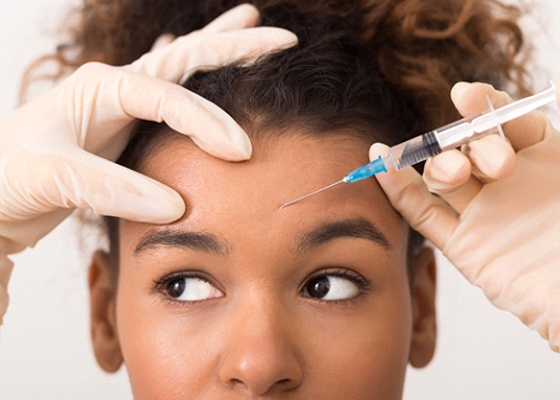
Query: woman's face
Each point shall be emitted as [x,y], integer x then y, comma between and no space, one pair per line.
[241,299]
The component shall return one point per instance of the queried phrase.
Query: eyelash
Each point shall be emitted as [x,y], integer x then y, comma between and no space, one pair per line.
[160,284]
[363,284]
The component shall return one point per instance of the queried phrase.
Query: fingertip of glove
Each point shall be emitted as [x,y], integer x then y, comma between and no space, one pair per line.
[278,38]
[162,41]
[377,149]
[154,203]
[244,10]
[166,209]
[240,148]
[458,91]
[245,149]
[237,146]
[244,15]
[290,38]
[4,300]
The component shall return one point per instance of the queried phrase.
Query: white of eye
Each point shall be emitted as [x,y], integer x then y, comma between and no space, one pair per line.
[192,289]
[328,287]
[341,289]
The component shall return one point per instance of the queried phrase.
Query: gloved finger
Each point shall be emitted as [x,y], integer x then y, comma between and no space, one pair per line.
[446,171]
[449,175]
[242,16]
[89,181]
[6,267]
[471,99]
[426,213]
[162,41]
[191,53]
[211,128]
[492,158]
[123,96]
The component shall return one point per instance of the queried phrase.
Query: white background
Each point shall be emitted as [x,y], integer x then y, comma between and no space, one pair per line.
[45,351]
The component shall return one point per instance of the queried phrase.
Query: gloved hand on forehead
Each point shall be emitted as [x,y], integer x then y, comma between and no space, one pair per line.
[497,213]
[57,151]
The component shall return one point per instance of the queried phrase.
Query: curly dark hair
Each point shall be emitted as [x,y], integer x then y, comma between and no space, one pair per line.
[380,70]
[422,47]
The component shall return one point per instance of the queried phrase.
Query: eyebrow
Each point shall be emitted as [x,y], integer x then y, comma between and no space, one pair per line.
[359,228]
[198,241]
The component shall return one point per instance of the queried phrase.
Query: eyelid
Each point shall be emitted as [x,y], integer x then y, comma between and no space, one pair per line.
[159,285]
[364,285]
[341,272]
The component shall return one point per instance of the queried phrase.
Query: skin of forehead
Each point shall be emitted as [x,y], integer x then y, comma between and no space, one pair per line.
[279,171]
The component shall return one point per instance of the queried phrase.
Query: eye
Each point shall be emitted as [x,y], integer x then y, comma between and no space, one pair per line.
[188,288]
[335,286]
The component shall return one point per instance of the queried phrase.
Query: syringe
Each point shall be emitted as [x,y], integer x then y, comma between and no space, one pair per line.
[448,137]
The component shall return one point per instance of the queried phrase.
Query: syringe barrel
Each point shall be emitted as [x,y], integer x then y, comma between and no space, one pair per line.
[414,150]
[461,132]
[434,142]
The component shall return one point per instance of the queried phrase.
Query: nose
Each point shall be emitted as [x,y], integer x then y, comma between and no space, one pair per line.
[260,356]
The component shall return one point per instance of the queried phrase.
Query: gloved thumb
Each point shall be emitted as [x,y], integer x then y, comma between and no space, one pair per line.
[408,194]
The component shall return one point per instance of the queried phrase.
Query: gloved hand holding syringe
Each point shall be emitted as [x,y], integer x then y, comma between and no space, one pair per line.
[448,137]
[493,207]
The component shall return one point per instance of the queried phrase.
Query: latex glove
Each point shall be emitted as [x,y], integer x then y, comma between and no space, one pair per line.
[500,221]
[56,152]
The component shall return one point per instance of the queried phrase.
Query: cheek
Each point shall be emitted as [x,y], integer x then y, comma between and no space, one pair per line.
[166,357]
[370,350]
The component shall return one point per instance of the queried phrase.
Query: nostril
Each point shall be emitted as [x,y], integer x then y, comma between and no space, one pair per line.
[282,384]
[236,381]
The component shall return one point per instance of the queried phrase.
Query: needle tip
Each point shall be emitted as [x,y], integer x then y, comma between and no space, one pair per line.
[310,194]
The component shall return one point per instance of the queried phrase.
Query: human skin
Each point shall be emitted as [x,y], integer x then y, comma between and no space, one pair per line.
[259,329]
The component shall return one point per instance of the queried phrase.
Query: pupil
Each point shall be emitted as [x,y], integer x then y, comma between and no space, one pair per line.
[319,287]
[176,288]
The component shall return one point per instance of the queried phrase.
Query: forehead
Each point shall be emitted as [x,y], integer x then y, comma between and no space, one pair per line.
[242,200]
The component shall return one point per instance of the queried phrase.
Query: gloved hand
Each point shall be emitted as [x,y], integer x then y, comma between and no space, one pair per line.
[56,152]
[497,217]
